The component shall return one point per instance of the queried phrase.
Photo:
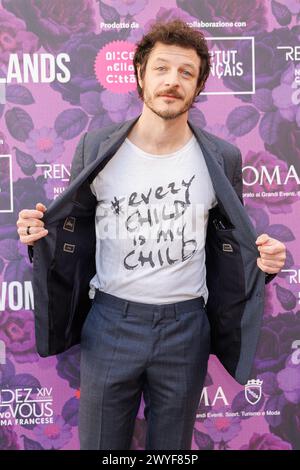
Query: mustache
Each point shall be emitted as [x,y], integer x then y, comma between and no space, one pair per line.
[170,93]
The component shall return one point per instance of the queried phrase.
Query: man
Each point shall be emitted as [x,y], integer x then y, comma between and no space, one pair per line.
[172,265]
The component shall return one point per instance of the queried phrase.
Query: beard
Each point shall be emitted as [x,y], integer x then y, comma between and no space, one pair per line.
[168,114]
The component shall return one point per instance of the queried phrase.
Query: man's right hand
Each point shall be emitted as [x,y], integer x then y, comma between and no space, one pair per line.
[31,218]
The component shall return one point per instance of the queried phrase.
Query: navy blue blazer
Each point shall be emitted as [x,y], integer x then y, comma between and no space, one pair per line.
[64,260]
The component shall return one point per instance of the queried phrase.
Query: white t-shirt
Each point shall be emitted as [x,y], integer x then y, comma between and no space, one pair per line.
[151,222]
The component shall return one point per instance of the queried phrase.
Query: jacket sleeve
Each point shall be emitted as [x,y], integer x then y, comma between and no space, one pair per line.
[76,167]
[238,187]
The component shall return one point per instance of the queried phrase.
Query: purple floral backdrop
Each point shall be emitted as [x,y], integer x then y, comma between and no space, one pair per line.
[251,99]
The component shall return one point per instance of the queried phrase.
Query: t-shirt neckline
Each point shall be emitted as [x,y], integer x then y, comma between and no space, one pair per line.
[178,152]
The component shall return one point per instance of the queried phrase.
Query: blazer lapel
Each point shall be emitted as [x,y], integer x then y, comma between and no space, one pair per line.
[207,145]
[116,138]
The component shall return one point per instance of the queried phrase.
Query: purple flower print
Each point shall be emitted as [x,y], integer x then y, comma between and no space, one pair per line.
[221,131]
[168,14]
[221,428]
[127,7]
[286,146]
[53,435]
[18,335]
[136,34]
[285,98]
[269,384]
[10,380]
[54,22]
[82,49]
[70,410]
[7,373]
[8,439]
[91,102]
[289,381]
[163,15]
[269,308]
[53,187]
[289,426]
[214,10]
[45,145]
[269,65]
[274,346]
[272,356]
[275,204]
[14,39]
[3,318]
[26,190]
[266,441]
[92,105]
[121,107]
[47,363]
[15,254]
[4,148]
[293,6]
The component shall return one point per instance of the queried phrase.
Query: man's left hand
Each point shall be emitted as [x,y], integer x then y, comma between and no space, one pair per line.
[272,254]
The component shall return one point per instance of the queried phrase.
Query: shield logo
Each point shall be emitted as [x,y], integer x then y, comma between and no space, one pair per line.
[253,391]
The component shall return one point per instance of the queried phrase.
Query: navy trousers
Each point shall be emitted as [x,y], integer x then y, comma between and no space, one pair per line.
[128,348]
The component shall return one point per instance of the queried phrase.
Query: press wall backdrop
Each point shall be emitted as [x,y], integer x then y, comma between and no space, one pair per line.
[66,68]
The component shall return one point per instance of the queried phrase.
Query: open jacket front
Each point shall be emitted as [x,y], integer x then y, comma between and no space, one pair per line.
[64,260]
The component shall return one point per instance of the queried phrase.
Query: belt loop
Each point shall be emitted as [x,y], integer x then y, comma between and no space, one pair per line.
[125,309]
[176,312]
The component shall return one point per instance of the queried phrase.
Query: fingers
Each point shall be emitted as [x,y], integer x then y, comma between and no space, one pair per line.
[31,218]
[30,222]
[32,231]
[40,207]
[272,254]
[270,249]
[271,257]
[30,213]
[271,264]
[263,238]
[29,239]
[275,268]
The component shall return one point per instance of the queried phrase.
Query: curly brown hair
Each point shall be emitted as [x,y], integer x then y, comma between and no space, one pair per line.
[175,32]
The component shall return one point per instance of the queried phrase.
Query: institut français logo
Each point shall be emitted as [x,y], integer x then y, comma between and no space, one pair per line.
[253,391]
